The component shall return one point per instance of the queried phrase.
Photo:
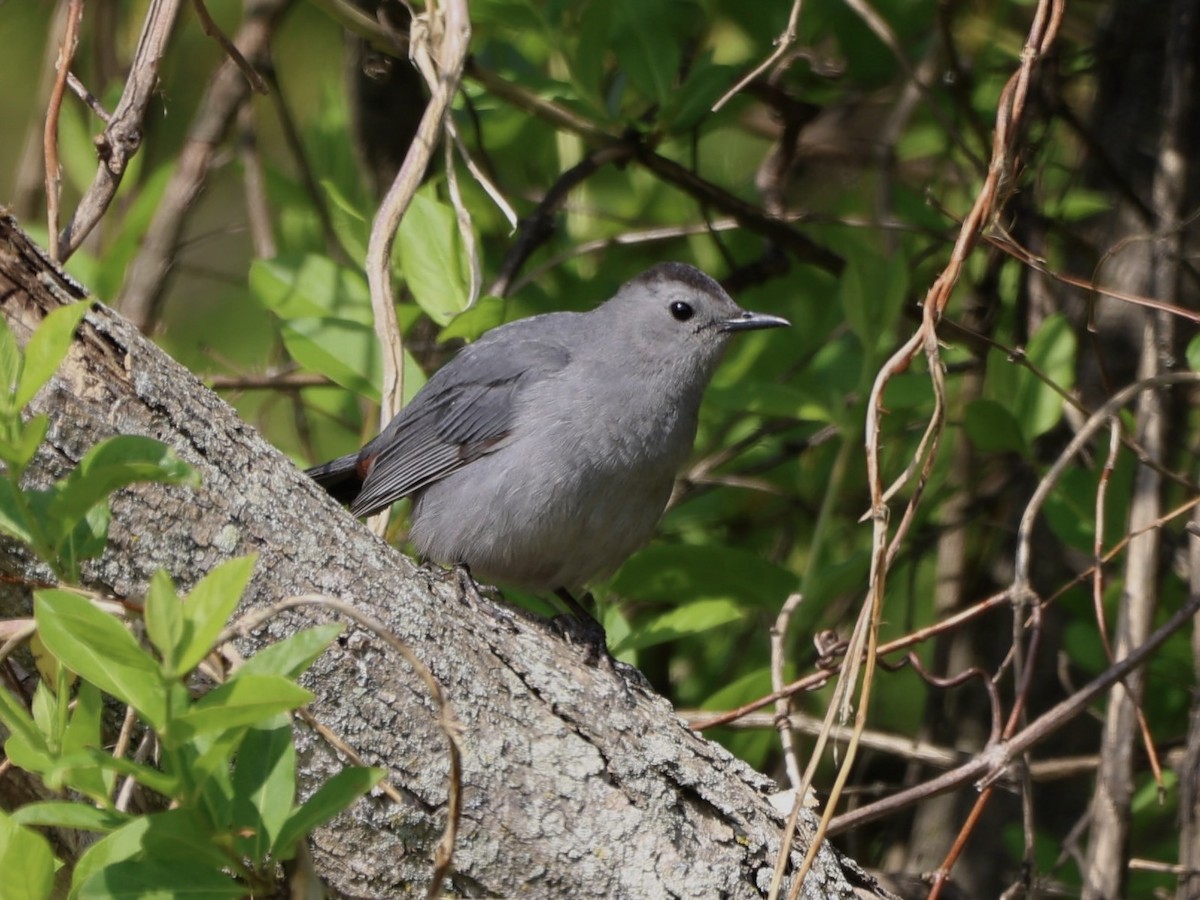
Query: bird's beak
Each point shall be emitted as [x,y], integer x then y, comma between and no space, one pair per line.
[751,321]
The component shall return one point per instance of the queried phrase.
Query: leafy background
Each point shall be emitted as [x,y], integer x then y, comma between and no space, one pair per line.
[838,143]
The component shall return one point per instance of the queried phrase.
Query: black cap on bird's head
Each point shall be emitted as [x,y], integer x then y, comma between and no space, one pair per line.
[674,306]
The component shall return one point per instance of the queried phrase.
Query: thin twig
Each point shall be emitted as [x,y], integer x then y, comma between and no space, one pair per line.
[454,26]
[123,135]
[778,657]
[66,55]
[93,103]
[213,30]
[782,44]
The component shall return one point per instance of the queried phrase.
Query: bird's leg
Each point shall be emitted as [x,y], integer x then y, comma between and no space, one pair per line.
[470,591]
[583,626]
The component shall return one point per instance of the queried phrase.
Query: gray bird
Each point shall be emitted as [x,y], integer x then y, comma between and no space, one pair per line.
[542,455]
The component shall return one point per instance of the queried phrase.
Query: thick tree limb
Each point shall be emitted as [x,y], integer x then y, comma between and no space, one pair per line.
[576,781]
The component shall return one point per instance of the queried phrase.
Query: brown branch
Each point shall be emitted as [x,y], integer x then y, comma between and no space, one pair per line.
[123,135]
[453,26]
[538,227]
[145,283]
[993,761]
[66,55]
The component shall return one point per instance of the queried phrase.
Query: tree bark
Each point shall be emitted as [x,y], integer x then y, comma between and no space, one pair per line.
[576,779]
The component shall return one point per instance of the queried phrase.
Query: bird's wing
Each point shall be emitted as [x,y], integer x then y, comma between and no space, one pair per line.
[464,411]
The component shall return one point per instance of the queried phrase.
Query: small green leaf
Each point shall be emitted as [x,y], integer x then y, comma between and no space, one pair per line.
[28,437]
[29,752]
[432,258]
[124,843]
[11,362]
[1036,405]
[335,795]
[471,323]
[16,719]
[63,814]
[352,228]
[164,619]
[64,770]
[14,520]
[47,348]
[113,464]
[683,621]
[26,861]
[264,784]
[209,606]
[83,731]
[87,540]
[44,708]
[992,428]
[293,655]
[152,880]
[243,700]
[97,647]
[184,834]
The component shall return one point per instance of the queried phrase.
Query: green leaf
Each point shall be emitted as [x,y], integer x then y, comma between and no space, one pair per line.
[11,362]
[111,465]
[352,228]
[664,573]
[264,784]
[83,731]
[432,258]
[184,834]
[293,655]
[152,880]
[691,618]
[14,520]
[705,84]
[1035,404]
[65,769]
[29,753]
[63,814]
[47,348]
[471,323]
[164,619]
[992,428]
[97,647]
[646,48]
[780,401]
[204,760]
[311,286]
[16,719]
[345,352]
[87,540]
[1193,353]
[44,707]
[26,861]
[209,606]
[124,843]
[873,291]
[27,438]
[335,795]
[243,700]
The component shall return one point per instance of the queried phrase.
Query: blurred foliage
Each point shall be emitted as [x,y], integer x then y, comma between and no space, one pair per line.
[879,174]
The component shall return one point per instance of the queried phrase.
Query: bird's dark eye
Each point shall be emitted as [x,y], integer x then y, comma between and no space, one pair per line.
[681,311]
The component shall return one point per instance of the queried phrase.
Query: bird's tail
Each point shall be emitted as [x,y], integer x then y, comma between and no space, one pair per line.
[339,477]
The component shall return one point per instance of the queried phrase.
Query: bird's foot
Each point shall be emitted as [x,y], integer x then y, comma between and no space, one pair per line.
[481,596]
